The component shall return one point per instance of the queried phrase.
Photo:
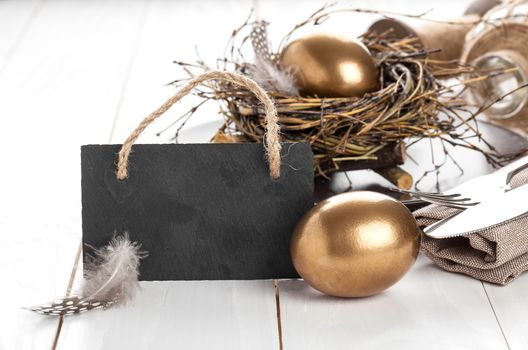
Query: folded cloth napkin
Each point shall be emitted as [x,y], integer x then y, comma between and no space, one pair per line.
[496,254]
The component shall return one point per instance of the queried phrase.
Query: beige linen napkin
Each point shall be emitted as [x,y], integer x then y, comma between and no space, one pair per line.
[496,254]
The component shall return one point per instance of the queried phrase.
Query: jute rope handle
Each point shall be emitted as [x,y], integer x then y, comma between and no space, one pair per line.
[271,137]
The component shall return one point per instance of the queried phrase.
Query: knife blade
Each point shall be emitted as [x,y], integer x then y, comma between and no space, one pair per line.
[496,210]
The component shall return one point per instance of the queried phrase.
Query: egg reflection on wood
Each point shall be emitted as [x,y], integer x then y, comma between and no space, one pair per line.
[330,66]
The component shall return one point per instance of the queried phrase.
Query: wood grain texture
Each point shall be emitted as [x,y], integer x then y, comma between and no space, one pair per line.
[200,315]
[427,309]
[511,307]
[56,93]
[182,315]
[183,31]
[16,18]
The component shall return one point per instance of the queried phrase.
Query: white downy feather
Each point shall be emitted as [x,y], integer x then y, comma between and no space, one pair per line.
[111,278]
[266,71]
[272,78]
[112,274]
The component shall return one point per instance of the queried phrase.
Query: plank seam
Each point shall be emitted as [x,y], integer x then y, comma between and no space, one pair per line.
[67,294]
[278,311]
[496,317]
[128,71]
[126,80]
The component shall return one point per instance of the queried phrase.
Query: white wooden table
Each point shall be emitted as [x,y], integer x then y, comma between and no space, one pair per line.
[78,72]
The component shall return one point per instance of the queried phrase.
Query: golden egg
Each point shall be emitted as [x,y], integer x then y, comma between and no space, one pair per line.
[330,66]
[355,244]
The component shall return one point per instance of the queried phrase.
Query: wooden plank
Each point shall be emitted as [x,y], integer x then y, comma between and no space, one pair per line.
[427,309]
[511,307]
[176,31]
[59,90]
[182,315]
[16,18]
[222,314]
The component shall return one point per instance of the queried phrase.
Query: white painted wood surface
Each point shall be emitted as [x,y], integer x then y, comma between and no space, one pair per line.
[222,314]
[427,309]
[16,19]
[73,72]
[511,308]
[183,315]
[59,88]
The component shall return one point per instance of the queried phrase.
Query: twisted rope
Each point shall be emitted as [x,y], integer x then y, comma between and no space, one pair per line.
[272,138]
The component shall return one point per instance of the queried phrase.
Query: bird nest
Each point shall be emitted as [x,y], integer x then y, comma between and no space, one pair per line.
[349,133]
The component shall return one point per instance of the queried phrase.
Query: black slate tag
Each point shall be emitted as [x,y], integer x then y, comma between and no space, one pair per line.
[202,211]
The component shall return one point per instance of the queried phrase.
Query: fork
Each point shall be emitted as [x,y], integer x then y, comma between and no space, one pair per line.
[452,200]
[474,190]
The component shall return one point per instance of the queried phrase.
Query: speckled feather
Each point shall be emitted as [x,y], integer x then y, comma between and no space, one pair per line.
[70,306]
[266,70]
[111,279]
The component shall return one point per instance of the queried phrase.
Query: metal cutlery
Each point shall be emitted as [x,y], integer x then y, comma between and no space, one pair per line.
[475,190]
[501,208]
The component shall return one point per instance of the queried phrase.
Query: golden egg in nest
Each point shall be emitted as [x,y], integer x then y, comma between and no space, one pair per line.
[326,65]
[355,244]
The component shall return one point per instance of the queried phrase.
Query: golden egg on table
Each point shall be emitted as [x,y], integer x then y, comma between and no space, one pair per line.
[355,244]
[330,66]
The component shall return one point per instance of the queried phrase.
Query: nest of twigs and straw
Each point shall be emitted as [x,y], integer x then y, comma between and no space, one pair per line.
[350,132]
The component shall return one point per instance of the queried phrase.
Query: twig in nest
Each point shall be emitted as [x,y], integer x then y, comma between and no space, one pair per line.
[411,103]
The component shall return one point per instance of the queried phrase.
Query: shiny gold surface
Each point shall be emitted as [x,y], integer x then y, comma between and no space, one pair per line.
[355,244]
[330,66]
